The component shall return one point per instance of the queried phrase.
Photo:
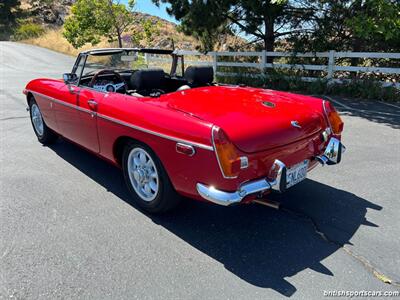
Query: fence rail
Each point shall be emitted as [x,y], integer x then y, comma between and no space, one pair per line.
[216,60]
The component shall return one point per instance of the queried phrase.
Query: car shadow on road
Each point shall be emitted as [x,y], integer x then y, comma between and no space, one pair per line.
[260,245]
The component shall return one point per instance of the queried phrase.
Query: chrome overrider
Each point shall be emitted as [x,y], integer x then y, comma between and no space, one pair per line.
[333,153]
[275,181]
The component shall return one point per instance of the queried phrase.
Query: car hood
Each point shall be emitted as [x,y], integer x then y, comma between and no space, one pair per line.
[254,119]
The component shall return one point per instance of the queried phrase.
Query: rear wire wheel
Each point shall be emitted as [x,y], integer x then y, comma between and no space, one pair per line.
[147,180]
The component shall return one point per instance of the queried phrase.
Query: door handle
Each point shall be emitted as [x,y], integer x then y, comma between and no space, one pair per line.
[92,104]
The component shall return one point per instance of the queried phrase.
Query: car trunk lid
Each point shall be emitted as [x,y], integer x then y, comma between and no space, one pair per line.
[253,119]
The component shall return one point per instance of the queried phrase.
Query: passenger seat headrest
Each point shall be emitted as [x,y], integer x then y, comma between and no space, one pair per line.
[147,79]
[199,75]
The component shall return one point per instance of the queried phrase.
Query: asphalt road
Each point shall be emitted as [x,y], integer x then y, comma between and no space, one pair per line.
[68,229]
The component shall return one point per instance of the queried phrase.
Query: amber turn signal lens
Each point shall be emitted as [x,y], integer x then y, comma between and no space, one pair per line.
[227,156]
[334,119]
[336,122]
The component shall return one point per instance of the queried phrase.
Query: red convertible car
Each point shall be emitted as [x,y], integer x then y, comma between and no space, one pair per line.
[174,132]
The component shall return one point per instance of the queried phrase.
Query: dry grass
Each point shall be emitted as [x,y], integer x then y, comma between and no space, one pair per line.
[167,31]
[54,40]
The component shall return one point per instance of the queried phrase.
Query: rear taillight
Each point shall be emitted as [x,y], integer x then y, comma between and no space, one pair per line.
[334,119]
[227,155]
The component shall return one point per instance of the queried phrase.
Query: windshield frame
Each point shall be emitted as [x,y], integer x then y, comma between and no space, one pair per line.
[110,51]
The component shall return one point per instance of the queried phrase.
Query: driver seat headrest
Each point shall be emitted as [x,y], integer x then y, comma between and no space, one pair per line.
[199,75]
[147,79]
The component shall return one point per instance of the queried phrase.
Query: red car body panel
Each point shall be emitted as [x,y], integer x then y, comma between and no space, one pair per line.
[251,125]
[260,132]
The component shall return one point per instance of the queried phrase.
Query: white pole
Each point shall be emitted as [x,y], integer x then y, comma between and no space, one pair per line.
[331,64]
[214,55]
[263,61]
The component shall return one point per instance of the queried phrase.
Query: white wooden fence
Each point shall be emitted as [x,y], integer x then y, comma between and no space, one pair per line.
[215,59]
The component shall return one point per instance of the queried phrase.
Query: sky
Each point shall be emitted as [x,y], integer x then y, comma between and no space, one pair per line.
[147,6]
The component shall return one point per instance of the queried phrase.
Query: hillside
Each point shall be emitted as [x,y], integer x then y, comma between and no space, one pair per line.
[51,17]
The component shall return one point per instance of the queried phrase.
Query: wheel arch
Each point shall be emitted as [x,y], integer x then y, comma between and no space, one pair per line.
[168,185]
[29,96]
[122,141]
[119,145]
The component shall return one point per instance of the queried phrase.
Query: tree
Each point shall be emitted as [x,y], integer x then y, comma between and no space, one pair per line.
[41,3]
[377,24]
[9,12]
[353,25]
[145,31]
[262,21]
[93,19]
[306,25]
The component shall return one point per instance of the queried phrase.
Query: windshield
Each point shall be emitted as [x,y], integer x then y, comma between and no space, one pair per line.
[126,61]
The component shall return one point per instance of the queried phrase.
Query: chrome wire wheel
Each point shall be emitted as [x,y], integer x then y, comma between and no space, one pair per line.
[37,119]
[143,174]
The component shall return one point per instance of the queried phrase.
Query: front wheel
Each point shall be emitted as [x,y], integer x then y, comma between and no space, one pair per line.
[146,179]
[44,134]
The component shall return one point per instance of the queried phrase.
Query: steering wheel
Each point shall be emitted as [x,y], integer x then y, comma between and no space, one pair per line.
[109,87]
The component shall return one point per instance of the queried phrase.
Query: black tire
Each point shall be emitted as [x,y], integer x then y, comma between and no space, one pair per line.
[47,136]
[166,198]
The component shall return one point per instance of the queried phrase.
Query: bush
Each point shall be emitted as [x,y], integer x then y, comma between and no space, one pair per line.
[27,31]
[365,89]
[290,80]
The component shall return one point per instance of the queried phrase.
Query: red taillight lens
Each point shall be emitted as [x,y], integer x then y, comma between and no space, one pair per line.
[228,158]
[334,119]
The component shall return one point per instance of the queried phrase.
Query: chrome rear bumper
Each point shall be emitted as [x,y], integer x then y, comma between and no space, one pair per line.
[226,198]
[275,181]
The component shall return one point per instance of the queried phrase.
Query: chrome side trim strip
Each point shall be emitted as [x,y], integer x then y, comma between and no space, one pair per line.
[64,103]
[202,146]
[39,94]
[168,137]
[74,107]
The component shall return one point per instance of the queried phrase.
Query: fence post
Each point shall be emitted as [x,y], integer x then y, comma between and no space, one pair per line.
[263,61]
[146,58]
[214,55]
[331,64]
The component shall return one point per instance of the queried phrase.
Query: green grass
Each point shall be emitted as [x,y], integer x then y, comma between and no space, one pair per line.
[27,31]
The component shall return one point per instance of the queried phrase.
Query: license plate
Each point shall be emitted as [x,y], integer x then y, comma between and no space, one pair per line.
[296,173]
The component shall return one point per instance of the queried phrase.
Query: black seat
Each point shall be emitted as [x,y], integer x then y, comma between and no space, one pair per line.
[199,75]
[147,82]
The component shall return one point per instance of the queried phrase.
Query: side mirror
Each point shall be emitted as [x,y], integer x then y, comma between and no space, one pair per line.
[69,77]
